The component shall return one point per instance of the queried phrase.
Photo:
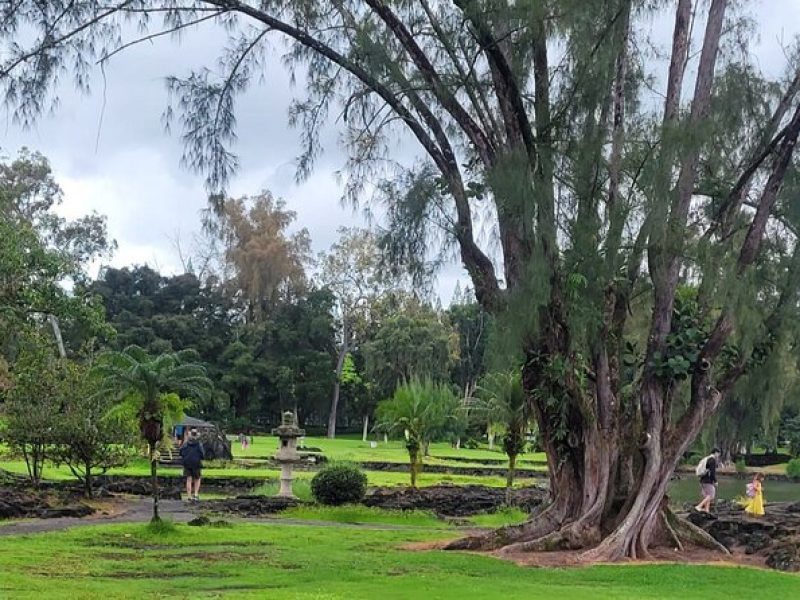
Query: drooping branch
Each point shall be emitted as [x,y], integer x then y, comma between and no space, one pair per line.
[448,100]
[702,399]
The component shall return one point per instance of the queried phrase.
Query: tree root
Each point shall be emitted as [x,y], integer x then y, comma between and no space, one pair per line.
[546,534]
[537,527]
[690,532]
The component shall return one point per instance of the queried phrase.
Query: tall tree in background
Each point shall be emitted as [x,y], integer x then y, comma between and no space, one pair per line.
[351,269]
[472,324]
[412,340]
[268,263]
[536,113]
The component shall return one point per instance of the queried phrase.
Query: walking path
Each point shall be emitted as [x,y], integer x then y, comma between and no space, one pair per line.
[140,510]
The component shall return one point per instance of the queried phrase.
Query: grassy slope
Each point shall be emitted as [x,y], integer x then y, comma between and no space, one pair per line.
[328,563]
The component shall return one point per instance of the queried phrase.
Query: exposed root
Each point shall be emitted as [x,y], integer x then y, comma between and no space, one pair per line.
[540,526]
[670,530]
[690,532]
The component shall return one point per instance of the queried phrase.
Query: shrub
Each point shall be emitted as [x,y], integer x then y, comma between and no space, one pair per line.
[471,444]
[741,467]
[793,468]
[339,484]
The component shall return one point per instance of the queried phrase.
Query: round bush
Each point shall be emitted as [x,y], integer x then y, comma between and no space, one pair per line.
[793,468]
[339,484]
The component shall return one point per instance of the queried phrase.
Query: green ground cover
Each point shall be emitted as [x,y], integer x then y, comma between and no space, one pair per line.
[329,563]
[140,468]
[353,449]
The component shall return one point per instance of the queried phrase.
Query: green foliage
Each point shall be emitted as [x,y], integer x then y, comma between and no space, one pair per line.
[793,468]
[161,528]
[89,440]
[153,388]
[338,484]
[423,412]
[413,342]
[32,406]
[502,403]
[741,467]
[685,340]
[472,324]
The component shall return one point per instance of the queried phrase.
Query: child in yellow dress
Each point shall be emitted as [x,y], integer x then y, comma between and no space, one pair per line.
[754,502]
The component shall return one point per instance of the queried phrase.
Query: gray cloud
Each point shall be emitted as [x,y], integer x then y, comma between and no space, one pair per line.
[131,172]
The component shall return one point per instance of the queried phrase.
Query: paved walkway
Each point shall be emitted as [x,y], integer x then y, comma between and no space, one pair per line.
[140,510]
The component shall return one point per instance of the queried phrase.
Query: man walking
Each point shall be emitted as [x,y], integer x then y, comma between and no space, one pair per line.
[192,454]
[707,470]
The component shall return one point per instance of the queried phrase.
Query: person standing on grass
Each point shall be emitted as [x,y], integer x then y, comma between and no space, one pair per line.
[192,454]
[707,470]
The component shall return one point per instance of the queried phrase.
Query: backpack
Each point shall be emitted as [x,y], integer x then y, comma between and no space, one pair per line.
[751,490]
[701,469]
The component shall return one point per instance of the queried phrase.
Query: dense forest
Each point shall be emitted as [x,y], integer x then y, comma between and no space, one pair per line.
[275,327]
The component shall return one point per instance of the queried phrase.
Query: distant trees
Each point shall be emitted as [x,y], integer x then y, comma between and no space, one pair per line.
[89,437]
[53,413]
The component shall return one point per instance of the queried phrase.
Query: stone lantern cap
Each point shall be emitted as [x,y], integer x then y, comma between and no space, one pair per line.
[288,427]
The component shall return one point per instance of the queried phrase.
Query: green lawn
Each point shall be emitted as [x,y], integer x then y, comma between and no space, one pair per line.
[329,563]
[141,468]
[353,449]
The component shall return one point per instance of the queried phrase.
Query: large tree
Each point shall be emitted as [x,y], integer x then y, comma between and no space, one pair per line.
[534,114]
[352,270]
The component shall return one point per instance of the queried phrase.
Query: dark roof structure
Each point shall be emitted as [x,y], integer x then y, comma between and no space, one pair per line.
[188,421]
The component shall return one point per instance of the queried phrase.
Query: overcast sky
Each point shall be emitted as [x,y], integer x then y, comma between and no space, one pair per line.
[129,169]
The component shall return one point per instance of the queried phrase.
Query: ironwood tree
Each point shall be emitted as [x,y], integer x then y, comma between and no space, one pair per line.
[535,117]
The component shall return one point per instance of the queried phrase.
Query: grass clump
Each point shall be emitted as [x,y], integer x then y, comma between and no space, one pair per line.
[161,527]
[501,518]
[300,487]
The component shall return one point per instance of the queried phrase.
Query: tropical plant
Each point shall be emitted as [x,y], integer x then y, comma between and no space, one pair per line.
[154,389]
[502,403]
[422,411]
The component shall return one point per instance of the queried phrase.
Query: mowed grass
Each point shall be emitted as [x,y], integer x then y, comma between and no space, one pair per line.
[141,468]
[356,513]
[354,449]
[329,563]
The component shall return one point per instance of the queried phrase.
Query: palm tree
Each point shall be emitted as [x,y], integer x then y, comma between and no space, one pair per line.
[423,411]
[155,389]
[502,403]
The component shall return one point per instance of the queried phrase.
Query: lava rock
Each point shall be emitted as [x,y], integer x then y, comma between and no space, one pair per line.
[785,556]
[453,501]
[251,506]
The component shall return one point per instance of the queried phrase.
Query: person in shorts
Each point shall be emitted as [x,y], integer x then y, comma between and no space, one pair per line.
[708,482]
[192,454]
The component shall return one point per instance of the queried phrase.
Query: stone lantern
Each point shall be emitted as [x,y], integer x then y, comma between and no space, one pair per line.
[287,455]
